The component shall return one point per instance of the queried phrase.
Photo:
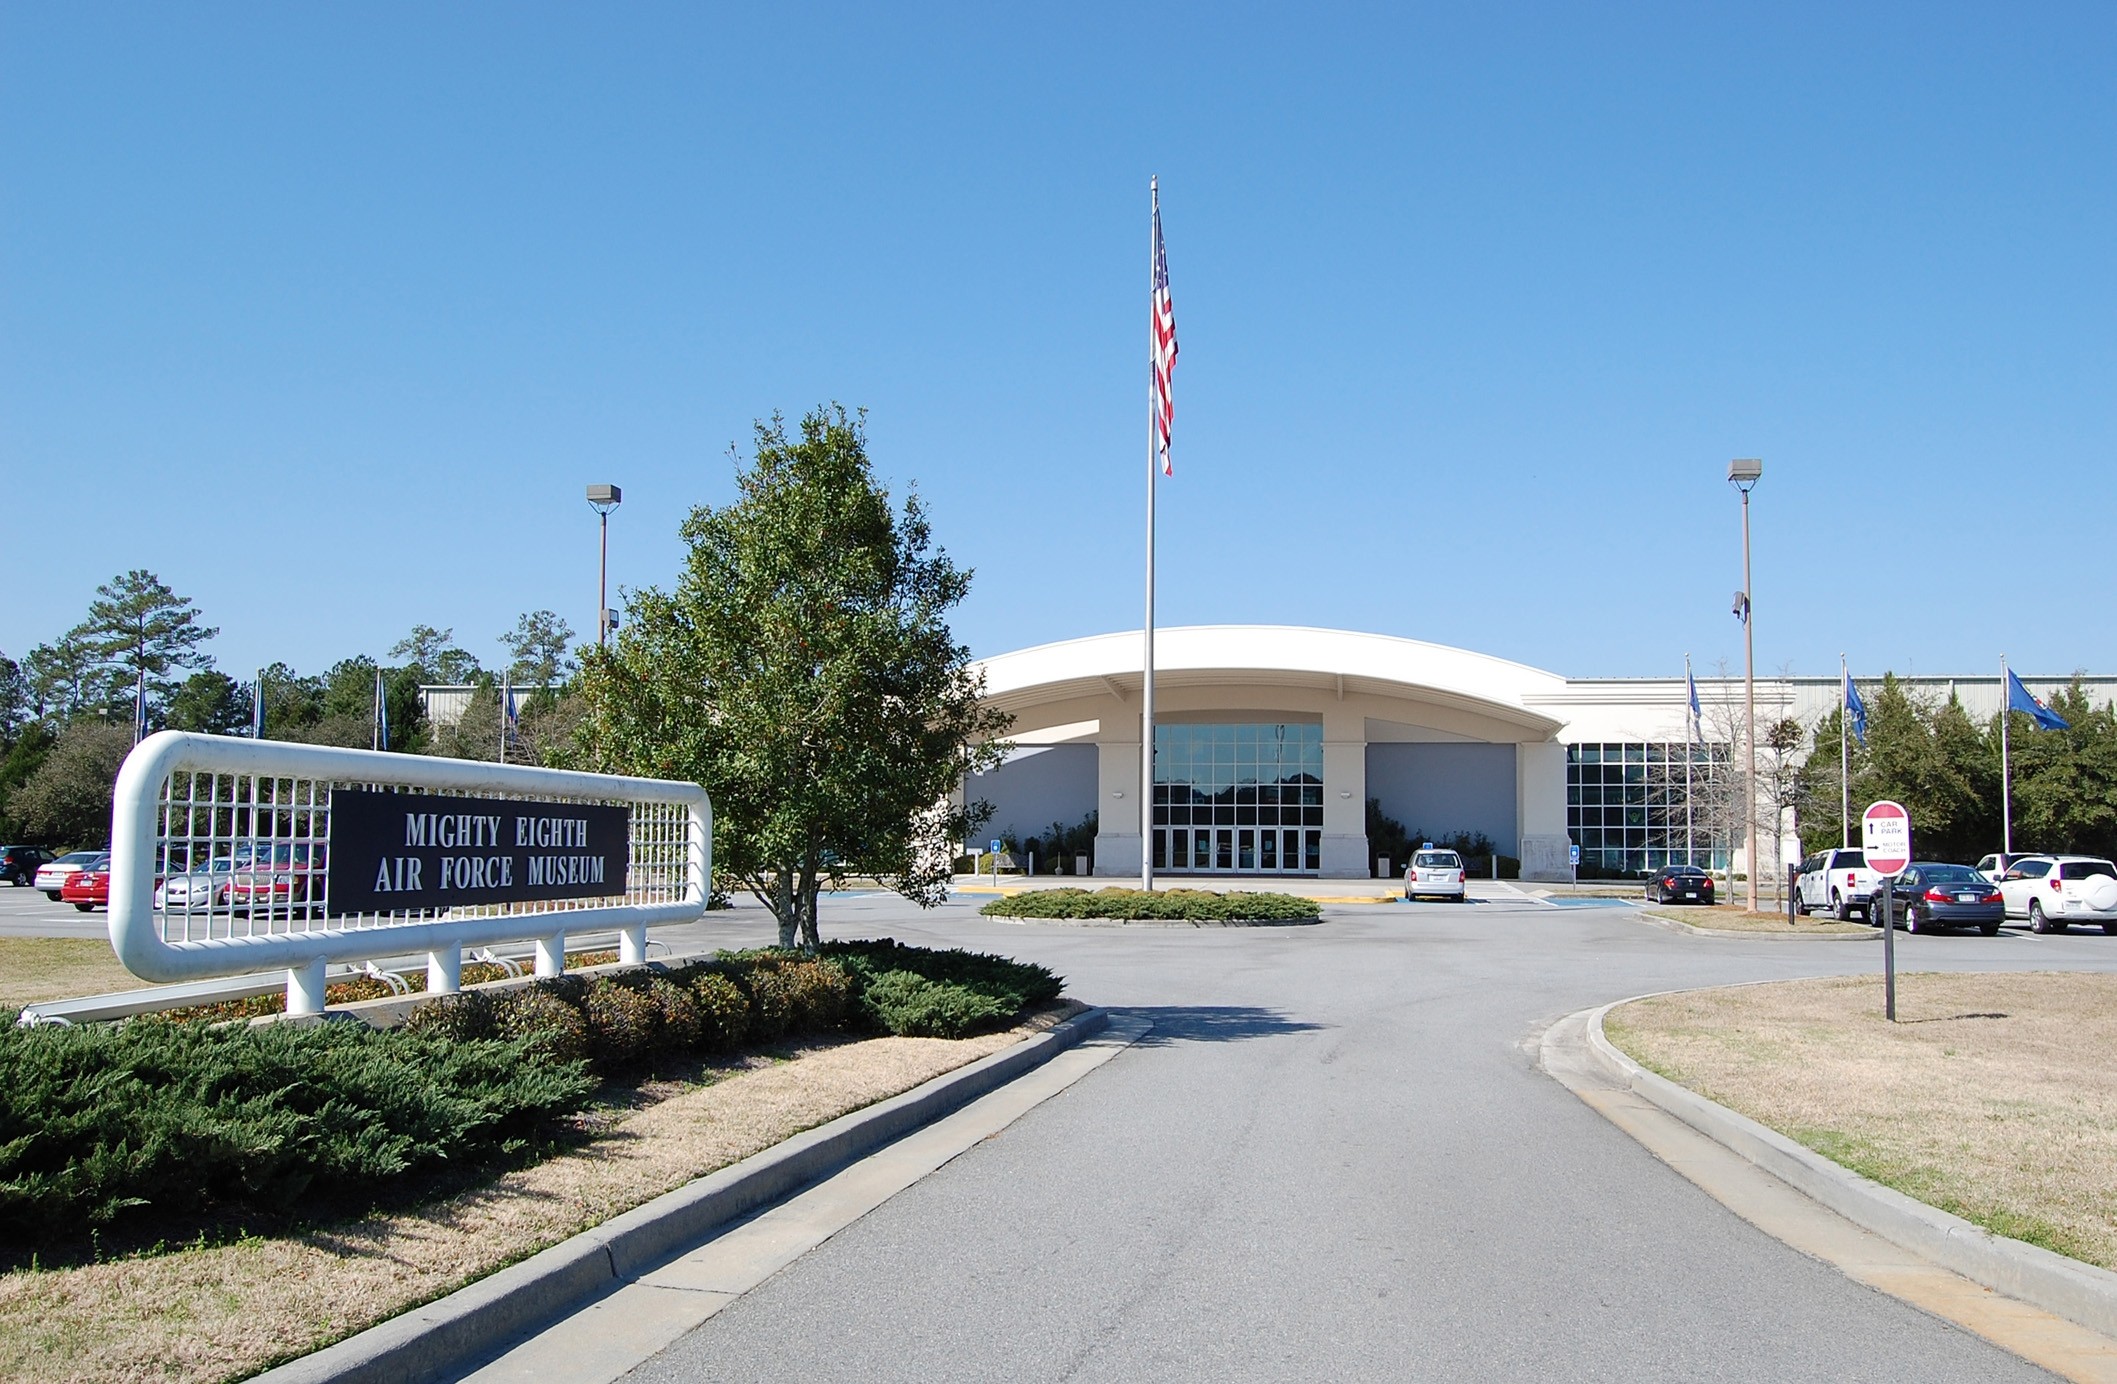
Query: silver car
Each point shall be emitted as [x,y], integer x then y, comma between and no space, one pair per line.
[51,876]
[197,891]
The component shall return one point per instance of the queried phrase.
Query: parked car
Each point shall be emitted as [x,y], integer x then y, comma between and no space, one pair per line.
[1929,896]
[2055,891]
[51,875]
[19,864]
[1684,882]
[88,888]
[290,876]
[1836,880]
[1998,863]
[1437,874]
[197,890]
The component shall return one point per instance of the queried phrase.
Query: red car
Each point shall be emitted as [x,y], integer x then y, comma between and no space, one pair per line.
[88,887]
[293,881]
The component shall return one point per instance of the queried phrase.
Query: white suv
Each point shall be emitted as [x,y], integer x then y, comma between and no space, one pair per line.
[1837,880]
[2055,891]
[1438,873]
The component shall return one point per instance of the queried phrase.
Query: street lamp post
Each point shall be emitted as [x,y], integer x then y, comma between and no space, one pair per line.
[602,499]
[1743,474]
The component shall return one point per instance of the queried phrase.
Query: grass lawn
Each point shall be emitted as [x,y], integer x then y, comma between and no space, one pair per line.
[194,1314]
[1989,1098]
[59,968]
[1732,918]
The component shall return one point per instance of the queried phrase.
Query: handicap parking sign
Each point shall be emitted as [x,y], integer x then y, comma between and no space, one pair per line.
[1576,855]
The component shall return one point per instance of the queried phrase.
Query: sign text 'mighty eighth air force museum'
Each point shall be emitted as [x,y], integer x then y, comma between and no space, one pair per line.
[396,851]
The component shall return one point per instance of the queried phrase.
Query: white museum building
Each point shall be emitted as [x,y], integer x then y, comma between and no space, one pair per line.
[1270,740]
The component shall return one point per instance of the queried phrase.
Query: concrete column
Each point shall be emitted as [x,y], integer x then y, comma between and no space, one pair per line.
[444,971]
[1344,796]
[1540,808]
[305,987]
[551,955]
[1117,838]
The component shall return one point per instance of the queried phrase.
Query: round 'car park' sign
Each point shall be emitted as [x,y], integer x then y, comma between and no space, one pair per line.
[1885,832]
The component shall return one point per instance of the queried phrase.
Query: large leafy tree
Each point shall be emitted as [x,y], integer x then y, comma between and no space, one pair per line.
[434,655]
[67,798]
[211,701]
[66,678]
[2065,781]
[145,634]
[803,671]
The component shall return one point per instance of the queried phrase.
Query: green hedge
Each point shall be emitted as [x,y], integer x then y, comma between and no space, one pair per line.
[102,1124]
[1176,905]
[110,1125]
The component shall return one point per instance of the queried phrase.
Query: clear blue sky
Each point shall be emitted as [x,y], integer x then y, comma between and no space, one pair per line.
[326,314]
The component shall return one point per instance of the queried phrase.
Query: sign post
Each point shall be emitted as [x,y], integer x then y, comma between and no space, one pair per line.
[1885,833]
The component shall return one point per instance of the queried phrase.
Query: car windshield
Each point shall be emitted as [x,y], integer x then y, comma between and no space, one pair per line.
[2087,869]
[76,858]
[1437,860]
[1951,874]
[1691,870]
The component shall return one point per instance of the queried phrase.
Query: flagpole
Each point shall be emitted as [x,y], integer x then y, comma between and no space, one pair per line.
[1844,753]
[1690,849]
[1146,686]
[375,731]
[507,687]
[2006,783]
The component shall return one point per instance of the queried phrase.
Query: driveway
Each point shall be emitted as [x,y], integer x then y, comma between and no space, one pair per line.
[1334,1158]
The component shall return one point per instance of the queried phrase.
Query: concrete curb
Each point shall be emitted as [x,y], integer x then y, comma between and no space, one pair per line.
[1678,925]
[448,1335]
[2080,1293]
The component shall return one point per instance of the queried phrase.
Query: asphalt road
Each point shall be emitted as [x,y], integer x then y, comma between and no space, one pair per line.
[1334,1158]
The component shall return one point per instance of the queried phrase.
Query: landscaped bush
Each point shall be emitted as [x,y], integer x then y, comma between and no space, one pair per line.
[623,1023]
[723,1010]
[957,993]
[106,1124]
[1176,905]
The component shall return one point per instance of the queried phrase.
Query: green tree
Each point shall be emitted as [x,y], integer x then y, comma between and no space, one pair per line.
[1930,757]
[210,701]
[803,671]
[434,656]
[144,633]
[67,798]
[538,647]
[2065,781]
[15,707]
[21,761]
[66,678]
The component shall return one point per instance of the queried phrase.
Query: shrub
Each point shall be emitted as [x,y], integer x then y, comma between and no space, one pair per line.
[723,1010]
[679,1022]
[911,1006]
[1176,905]
[542,1017]
[622,1023]
[103,1125]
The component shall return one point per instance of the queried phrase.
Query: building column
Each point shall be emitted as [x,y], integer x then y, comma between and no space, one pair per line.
[1117,835]
[1540,809]
[1345,797]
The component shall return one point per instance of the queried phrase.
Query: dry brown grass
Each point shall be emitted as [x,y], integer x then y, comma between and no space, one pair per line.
[1728,918]
[58,968]
[226,1311]
[1990,1099]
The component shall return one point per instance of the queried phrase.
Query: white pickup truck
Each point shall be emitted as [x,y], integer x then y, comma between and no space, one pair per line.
[1837,881]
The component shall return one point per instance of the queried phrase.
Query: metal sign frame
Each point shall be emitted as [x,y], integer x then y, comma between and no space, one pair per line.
[284,784]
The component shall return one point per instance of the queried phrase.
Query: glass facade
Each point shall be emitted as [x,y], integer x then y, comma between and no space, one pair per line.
[1636,807]
[1238,798]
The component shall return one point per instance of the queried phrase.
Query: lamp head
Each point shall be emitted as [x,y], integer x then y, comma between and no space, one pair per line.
[605,497]
[1742,472]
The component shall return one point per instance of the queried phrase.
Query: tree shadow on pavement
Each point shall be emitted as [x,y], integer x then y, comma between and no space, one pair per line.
[1213,1023]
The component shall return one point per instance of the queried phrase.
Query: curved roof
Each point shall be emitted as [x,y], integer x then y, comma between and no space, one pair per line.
[1283,655]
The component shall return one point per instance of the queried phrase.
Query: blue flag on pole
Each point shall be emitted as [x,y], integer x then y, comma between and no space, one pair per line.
[1855,710]
[1697,716]
[2018,699]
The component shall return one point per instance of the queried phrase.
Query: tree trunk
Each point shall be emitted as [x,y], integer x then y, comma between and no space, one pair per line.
[783,908]
[810,888]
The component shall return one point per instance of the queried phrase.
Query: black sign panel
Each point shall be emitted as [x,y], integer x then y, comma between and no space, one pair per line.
[397,851]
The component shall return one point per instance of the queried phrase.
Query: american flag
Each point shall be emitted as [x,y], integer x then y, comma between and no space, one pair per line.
[1162,333]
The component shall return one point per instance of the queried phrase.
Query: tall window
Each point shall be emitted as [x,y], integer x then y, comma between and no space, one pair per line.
[1633,807]
[1238,797]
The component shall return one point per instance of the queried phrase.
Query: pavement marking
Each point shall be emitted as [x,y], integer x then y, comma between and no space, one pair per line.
[647,1315]
[1790,1216]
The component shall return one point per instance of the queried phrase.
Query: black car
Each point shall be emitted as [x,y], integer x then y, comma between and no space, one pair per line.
[1680,883]
[1930,896]
[18,864]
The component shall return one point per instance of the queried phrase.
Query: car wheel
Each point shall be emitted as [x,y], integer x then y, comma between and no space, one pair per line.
[1989,929]
[2037,921]
[52,894]
[1841,907]
[86,907]
[2109,929]
[1911,919]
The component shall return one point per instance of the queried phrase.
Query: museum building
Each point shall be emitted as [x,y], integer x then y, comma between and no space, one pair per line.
[1270,740]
